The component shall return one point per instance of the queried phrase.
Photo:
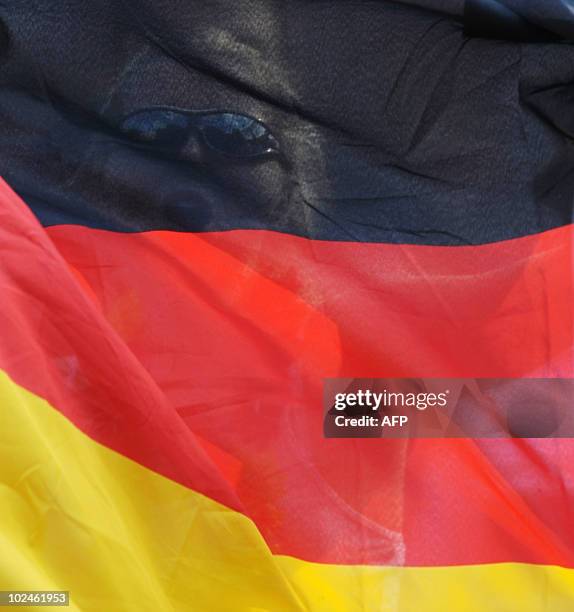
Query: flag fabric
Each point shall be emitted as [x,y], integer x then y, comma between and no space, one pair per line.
[211,207]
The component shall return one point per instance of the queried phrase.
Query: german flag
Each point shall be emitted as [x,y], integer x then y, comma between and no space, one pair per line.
[209,208]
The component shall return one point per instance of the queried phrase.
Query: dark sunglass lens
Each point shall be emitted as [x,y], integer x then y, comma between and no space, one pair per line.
[166,128]
[237,135]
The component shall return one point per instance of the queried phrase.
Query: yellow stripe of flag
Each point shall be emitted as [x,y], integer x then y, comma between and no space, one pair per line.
[77,516]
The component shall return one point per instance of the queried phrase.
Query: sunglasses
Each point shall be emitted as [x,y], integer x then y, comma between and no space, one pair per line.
[170,129]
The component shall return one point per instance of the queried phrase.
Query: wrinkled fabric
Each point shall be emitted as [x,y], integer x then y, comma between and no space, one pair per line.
[529,20]
[209,208]
[391,125]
